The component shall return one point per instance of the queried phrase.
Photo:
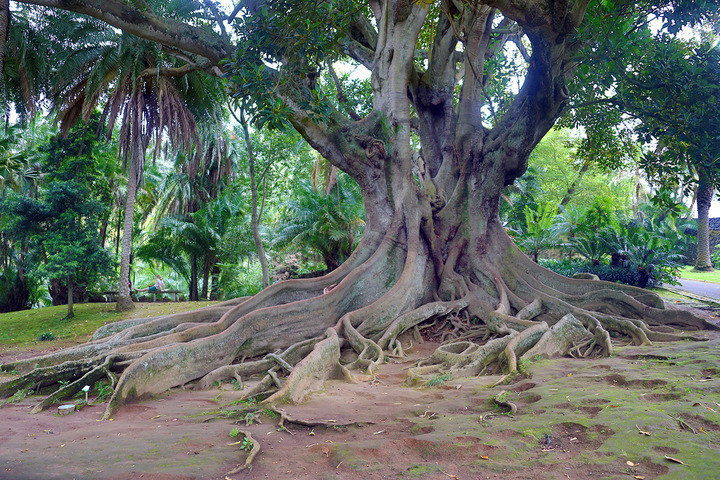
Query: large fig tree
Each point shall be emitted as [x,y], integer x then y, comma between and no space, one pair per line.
[448,130]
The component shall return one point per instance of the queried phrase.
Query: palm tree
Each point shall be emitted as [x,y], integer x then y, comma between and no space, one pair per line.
[187,243]
[191,192]
[150,107]
[26,56]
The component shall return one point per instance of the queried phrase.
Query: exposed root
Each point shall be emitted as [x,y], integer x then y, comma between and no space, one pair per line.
[501,401]
[308,376]
[531,310]
[291,356]
[370,355]
[285,417]
[563,338]
[485,302]
[251,456]
[264,386]
[72,388]
[417,316]
[521,343]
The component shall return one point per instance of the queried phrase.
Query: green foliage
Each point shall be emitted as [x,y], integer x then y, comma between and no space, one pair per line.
[300,41]
[536,233]
[246,445]
[439,379]
[60,226]
[103,390]
[640,82]
[715,256]
[326,225]
[46,337]
[16,291]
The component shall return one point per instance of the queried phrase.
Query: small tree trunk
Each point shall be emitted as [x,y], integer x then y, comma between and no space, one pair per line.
[573,188]
[124,301]
[70,312]
[4,33]
[105,221]
[206,276]
[255,218]
[117,232]
[193,293]
[704,199]
[214,282]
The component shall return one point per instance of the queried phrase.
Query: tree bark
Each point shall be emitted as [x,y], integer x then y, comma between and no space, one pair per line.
[118,229]
[4,33]
[193,287]
[70,311]
[124,302]
[207,264]
[254,217]
[215,275]
[705,192]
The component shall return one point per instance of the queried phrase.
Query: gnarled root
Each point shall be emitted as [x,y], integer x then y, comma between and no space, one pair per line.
[308,376]
[486,303]
[501,401]
[251,456]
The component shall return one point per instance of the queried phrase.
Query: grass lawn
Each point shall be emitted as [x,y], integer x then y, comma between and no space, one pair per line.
[22,329]
[690,273]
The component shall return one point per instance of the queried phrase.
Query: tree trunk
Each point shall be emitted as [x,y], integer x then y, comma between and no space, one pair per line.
[705,191]
[106,220]
[572,188]
[4,33]
[117,232]
[207,263]
[255,218]
[70,311]
[434,251]
[215,275]
[124,302]
[193,287]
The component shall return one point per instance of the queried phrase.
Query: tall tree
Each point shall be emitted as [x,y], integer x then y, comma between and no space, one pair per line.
[667,89]
[431,160]
[62,225]
[255,213]
[147,104]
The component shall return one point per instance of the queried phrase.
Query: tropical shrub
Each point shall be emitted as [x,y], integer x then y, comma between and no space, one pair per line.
[535,234]
[327,226]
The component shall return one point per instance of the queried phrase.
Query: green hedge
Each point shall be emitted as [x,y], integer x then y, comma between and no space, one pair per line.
[627,275]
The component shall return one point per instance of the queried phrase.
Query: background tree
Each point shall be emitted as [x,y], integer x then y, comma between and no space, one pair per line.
[431,159]
[668,87]
[149,106]
[62,225]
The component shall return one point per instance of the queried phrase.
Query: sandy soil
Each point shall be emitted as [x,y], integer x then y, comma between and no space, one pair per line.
[576,419]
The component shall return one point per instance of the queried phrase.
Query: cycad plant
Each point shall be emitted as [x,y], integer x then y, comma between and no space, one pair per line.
[324,225]
[537,234]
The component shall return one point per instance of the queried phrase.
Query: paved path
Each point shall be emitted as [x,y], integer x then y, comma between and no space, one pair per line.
[706,289]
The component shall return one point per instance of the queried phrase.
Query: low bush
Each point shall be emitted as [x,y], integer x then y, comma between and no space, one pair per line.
[630,275]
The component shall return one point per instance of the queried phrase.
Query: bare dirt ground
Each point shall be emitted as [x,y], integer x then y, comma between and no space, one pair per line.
[576,419]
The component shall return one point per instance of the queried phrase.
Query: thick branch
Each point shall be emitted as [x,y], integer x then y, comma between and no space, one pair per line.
[176,71]
[166,31]
[341,97]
